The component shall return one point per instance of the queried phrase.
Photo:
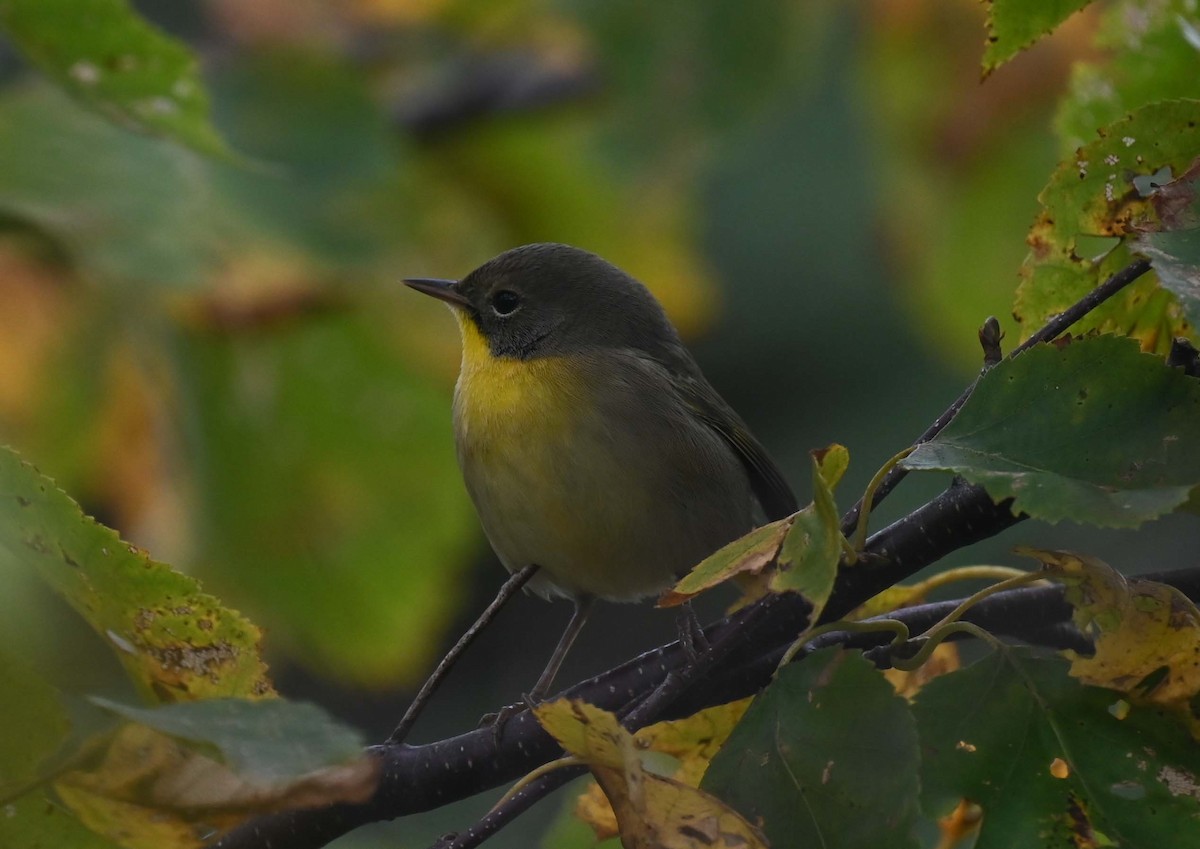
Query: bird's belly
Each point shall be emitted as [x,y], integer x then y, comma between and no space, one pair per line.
[596,505]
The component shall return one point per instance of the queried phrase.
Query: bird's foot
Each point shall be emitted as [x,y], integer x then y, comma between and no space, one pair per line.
[500,718]
[691,634]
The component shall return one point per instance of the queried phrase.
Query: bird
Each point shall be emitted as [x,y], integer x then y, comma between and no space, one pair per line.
[590,443]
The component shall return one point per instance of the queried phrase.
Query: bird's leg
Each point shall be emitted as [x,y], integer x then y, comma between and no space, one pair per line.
[583,606]
[691,632]
[515,581]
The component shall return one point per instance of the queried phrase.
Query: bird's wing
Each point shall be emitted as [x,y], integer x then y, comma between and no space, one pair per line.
[768,483]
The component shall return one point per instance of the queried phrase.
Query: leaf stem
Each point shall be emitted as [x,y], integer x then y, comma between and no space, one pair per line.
[868,499]
[935,636]
[890,625]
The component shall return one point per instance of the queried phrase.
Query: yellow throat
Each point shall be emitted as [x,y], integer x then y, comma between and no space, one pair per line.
[508,398]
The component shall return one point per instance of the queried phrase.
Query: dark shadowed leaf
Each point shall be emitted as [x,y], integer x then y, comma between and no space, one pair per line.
[1048,760]
[1093,431]
[827,749]
[1174,245]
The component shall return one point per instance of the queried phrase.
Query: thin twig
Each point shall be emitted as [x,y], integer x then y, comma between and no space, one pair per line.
[508,810]
[515,581]
[1049,331]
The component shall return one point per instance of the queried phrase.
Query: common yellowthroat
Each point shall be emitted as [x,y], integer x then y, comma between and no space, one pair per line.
[590,442]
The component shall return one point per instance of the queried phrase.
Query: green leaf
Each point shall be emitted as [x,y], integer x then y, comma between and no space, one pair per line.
[1093,431]
[126,207]
[809,556]
[748,555]
[112,60]
[330,471]
[1175,248]
[1150,61]
[132,209]
[1013,25]
[827,749]
[265,740]
[34,722]
[806,546]
[1102,191]
[1049,762]
[175,642]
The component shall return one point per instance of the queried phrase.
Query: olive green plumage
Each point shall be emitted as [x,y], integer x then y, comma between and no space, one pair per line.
[590,442]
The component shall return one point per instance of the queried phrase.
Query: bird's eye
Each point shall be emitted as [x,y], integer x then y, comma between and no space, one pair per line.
[505,302]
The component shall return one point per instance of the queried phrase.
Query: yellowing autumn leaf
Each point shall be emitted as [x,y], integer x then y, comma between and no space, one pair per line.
[652,812]
[1147,635]
[692,741]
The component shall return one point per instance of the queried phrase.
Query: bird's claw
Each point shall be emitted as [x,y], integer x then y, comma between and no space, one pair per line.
[498,719]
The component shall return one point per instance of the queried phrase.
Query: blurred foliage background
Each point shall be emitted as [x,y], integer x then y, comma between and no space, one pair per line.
[207,345]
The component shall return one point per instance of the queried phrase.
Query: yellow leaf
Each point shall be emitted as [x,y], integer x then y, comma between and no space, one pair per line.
[693,740]
[592,807]
[1147,635]
[652,812]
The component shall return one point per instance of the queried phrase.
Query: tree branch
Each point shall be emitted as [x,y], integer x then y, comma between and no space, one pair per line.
[990,344]
[419,778]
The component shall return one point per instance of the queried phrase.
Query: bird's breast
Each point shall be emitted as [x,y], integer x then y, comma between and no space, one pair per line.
[572,465]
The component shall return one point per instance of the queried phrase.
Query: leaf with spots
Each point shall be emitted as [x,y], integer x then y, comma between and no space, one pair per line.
[1174,245]
[1092,431]
[1102,194]
[828,749]
[653,812]
[1146,634]
[175,642]
[1049,760]
[118,64]
[1014,25]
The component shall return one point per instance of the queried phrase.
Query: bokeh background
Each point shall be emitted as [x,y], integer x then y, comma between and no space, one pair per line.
[214,355]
